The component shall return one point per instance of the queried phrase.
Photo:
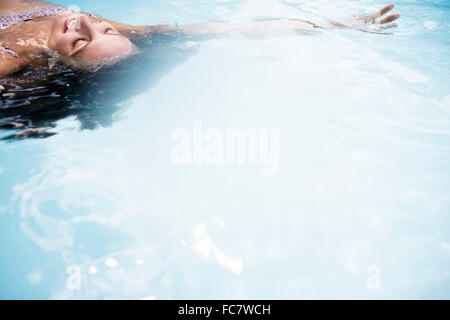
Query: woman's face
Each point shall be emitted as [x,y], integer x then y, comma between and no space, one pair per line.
[80,36]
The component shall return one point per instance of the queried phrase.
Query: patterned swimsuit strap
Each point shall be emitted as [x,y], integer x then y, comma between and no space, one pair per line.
[11,20]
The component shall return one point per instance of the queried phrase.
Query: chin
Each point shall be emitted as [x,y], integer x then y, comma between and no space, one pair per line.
[56,30]
[58,22]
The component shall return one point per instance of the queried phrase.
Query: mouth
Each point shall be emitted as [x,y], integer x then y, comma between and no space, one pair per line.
[70,23]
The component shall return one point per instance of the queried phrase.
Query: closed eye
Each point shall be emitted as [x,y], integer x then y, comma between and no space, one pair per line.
[110,31]
[77,42]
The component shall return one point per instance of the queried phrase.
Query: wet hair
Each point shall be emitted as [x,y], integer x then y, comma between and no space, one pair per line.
[39,97]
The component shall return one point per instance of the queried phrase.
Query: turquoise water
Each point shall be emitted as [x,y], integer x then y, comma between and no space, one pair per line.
[359,206]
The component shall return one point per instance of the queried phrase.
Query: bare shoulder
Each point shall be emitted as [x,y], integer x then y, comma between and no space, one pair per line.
[8,65]
[8,7]
[133,31]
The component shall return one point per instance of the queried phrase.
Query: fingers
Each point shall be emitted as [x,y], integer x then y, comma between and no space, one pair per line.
[386,9]
[388,19]
[393,25]
[377,14]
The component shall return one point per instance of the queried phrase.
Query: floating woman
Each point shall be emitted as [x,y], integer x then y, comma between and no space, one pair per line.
[35,34]
[57,62]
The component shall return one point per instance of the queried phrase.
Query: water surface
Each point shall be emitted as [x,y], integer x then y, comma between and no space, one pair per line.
[362,188]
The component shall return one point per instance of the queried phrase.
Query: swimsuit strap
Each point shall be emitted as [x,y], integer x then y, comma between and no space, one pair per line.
[11,20]
[5,49]
[94,16]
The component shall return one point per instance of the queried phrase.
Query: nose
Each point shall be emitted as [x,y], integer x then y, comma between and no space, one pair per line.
[87,28]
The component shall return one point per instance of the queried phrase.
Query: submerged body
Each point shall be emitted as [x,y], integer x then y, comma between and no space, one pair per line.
[57,62]
[86,37]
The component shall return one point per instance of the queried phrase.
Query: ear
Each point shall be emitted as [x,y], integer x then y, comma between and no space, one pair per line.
[126,30]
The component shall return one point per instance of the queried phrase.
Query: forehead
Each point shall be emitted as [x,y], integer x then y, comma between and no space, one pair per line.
[105,46]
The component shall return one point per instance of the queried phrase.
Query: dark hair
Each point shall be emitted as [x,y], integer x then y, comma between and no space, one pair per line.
[38,98]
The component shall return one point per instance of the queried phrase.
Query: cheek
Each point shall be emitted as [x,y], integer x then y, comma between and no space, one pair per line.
[56,38]
[59,43]
[53,42]
[52,38]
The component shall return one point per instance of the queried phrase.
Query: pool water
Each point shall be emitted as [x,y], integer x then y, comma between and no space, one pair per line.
[359,206]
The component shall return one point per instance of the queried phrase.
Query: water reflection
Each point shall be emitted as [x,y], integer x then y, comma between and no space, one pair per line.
[362,188]
[33,107]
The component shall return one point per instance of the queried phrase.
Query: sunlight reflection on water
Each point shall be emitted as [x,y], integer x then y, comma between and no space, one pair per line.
[363,179]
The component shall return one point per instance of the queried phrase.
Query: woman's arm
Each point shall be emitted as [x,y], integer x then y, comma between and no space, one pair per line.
[253,29]
[262,28]
[367,23]
[212,30]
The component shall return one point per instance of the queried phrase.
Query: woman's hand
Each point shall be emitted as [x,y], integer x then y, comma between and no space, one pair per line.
[375,22]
